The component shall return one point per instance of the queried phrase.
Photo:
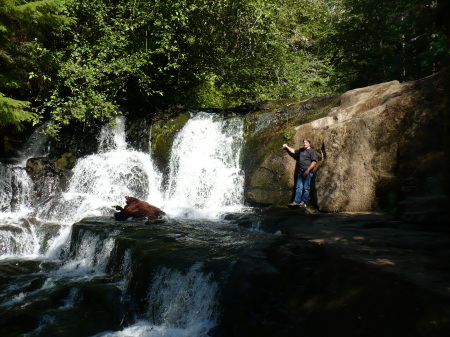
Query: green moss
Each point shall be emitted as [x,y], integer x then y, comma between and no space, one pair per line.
[163,134]
[66,161]
[288,135]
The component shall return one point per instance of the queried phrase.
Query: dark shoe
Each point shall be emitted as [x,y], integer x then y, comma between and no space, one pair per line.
[302,204]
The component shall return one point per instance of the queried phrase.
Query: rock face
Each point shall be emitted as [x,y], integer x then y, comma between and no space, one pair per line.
[47,176]
[136,208]
[380,147]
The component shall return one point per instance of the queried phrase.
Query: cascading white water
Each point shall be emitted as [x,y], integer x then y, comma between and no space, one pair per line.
[18,237]
[113,138]
[179,305]
[205,177]
[35,146]
[15,188]
[98,182]
[91,257]
[17,234]
[183,301]
[204,181]
[102,180]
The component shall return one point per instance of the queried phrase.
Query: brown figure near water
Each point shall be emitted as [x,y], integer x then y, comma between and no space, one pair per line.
[136,208]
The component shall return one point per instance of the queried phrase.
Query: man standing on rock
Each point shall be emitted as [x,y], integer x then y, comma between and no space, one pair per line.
[307,159]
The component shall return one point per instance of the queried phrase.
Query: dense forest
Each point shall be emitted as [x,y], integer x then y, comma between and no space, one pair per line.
[82,61]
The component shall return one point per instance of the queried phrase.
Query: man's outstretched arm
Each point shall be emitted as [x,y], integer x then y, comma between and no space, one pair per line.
[289,149]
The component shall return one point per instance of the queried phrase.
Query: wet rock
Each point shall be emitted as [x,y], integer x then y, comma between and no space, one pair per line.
[163,133]
[66,161]
[48,178]
[350,274]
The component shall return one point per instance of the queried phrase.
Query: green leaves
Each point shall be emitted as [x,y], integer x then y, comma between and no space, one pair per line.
[95,66]
[24,27]
[84,61]
[381,40]
[14,112]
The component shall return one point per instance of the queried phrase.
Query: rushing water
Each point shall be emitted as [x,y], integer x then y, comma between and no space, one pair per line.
[205,177]
[125,279]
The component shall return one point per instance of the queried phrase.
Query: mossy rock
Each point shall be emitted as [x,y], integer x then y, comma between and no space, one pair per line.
[163,134]
[66,161]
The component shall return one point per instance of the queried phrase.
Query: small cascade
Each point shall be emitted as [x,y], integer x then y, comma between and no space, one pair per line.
[15,185]
[37,145]
[183,301]
[16,190]
[205,177]
[102,180]
[18,235]
[21,235]
[90,256]
[179,305]
[113,138]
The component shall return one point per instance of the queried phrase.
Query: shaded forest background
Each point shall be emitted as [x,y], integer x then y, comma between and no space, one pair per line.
[66,62]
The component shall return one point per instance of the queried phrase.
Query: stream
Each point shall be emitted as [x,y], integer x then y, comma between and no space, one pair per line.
[67,268]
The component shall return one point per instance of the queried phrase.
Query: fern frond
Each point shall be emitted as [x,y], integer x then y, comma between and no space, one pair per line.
[14,112]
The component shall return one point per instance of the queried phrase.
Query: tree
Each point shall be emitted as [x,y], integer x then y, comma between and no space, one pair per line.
[381,40]
[95,63]
[201,53]
[24,27]
[87,60]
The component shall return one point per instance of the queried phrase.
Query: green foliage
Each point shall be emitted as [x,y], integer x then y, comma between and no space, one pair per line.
[201,53]
[381,40]
[14,112]
[94,67]
[288,135]
[79,61]
[24,27]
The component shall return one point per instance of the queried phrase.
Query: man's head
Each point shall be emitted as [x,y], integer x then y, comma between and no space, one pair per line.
[306,143]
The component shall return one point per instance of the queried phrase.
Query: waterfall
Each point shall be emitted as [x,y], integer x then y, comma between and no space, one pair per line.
[179,305]
[71,261]
[102,180]
[205,177]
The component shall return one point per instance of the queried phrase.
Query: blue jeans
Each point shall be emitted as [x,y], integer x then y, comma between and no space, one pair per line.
[303,187]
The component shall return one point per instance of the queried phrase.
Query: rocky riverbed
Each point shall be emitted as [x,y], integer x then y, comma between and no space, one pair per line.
[343,274]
